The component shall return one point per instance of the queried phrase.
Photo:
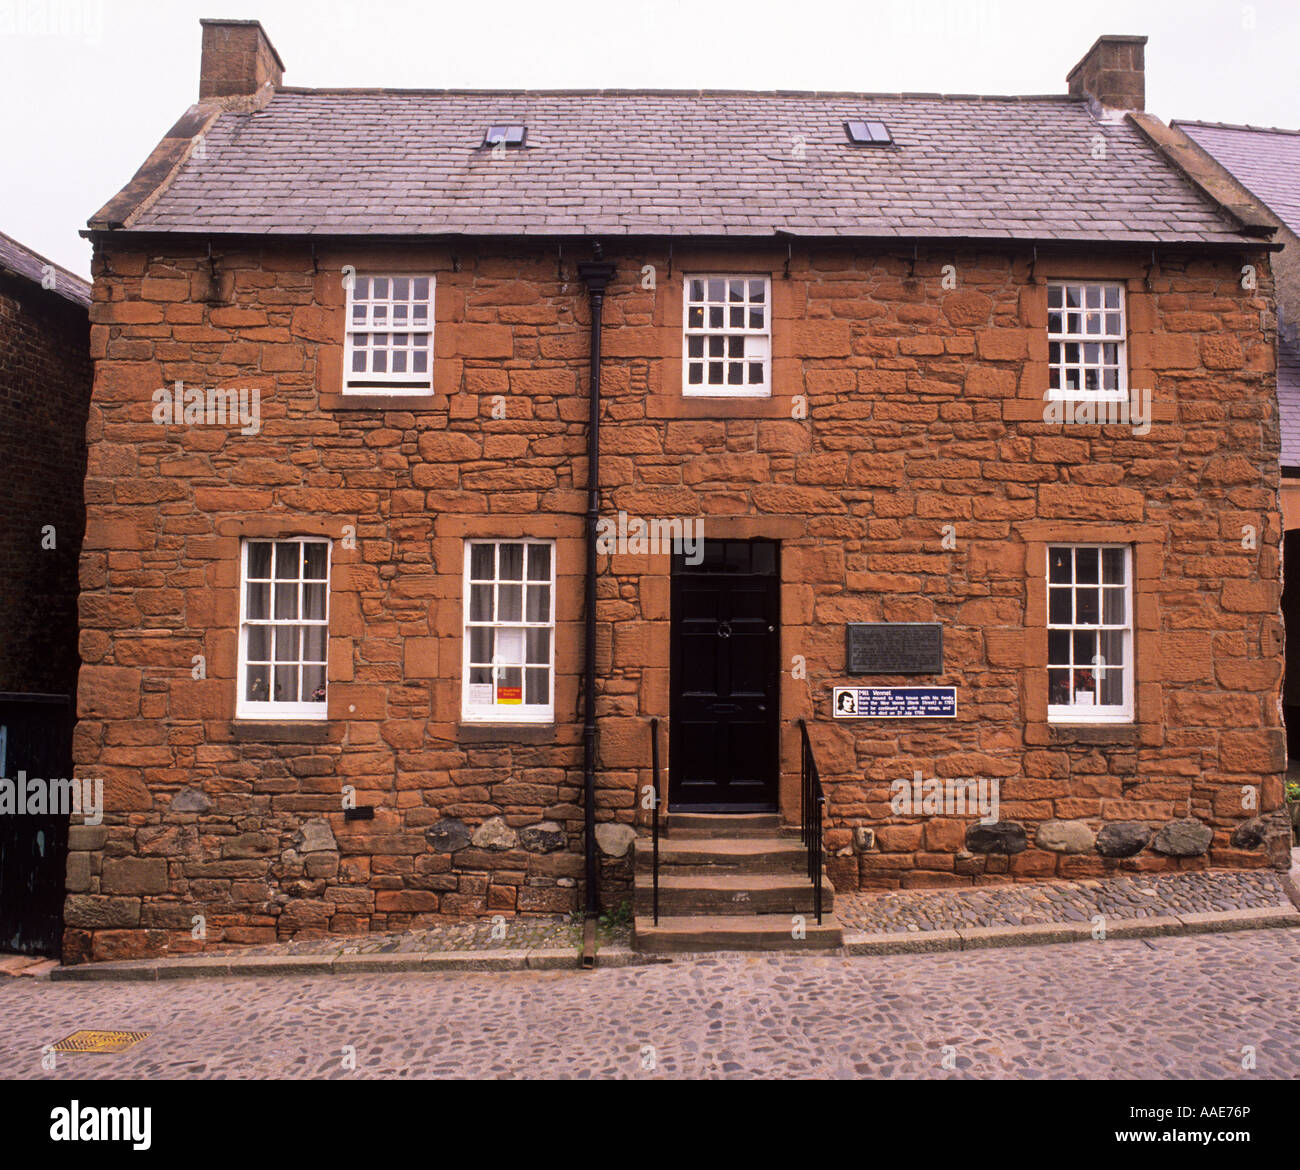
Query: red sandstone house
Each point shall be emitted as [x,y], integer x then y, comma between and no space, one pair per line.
[391,385]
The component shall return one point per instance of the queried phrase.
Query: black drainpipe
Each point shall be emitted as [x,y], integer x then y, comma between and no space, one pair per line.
[595,274]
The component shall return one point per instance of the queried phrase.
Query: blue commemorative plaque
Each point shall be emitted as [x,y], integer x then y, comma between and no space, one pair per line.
[894,702]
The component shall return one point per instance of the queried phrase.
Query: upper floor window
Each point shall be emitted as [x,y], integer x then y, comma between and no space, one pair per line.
[283,629]
[1089,633]
[728,336]
[509,664]
[389,346]
[1086,340]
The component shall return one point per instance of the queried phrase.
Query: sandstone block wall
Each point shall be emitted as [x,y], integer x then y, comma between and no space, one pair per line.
[900,407]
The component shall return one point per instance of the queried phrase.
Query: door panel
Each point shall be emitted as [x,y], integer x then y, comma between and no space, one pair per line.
[37,739]
[725,679]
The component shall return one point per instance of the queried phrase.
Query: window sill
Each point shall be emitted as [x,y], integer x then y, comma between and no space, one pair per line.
[332,401]
[1033,409]
[729,396]
[1099,733]
[260,731]
[719,407]
[506,732]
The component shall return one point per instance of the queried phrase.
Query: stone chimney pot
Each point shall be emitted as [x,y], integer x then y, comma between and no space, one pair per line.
[238,59]
[1113,72]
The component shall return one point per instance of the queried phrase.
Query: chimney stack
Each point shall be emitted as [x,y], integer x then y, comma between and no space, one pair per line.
[1114,72]
[238,59]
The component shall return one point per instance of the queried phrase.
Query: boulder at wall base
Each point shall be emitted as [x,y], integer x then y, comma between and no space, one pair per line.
[544,837]
[999,837]
[315,837]
[1066,837]
[494,833]
[1185,838]
[615,840]
[190,800]
[448,835]
[1250,834]
[1123,839]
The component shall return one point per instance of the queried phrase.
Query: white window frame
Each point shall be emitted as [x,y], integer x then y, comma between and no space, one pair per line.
[371,324]
[1073,712]
[246,708]
[1081,337]
[495,712]
[762,339]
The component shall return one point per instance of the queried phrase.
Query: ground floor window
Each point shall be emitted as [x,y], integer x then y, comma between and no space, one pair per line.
[283,628]
[509,655]
[1089,633]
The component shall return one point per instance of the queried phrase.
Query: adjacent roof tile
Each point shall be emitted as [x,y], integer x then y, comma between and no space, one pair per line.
[1288,399]
[1267,161]
[22,261]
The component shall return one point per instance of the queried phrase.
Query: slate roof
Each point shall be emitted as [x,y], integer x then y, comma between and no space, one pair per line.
[22,261]
[1267,161]
[342,162]
[1288,399]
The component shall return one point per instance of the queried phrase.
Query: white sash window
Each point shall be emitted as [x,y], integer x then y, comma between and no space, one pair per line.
[1089,633]
[283,629]
[727,336]
[389,347]
[509,644]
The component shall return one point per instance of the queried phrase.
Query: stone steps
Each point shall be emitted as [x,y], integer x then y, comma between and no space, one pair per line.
[735,932]
[729,882]
[730,893]
[741,854]
[696,826]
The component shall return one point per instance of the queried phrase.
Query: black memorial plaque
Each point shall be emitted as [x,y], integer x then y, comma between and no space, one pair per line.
[894,648]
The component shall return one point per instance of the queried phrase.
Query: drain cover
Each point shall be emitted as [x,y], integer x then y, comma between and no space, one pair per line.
[92,1041]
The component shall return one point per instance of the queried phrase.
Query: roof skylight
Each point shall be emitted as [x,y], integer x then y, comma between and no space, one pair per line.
[868,133]
[509,133]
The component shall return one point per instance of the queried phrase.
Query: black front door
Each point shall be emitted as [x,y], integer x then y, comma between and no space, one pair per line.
[725,678]
[35,738]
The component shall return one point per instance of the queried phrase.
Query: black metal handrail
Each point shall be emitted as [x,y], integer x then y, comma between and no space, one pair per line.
[654,815]
[812,808]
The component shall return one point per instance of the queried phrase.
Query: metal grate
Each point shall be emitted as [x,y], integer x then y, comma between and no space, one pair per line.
[89,1040]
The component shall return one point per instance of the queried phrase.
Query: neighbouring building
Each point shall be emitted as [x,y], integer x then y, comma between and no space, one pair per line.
[963,395]
[45,379]
[1267,162]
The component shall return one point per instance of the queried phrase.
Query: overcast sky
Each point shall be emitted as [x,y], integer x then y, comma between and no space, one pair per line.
[90,86]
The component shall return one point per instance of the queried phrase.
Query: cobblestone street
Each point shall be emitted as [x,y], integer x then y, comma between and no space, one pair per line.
[1179,1007]
[1121,897]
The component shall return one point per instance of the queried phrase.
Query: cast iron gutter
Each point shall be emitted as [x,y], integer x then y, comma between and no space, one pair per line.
[149,237]
[596,275]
